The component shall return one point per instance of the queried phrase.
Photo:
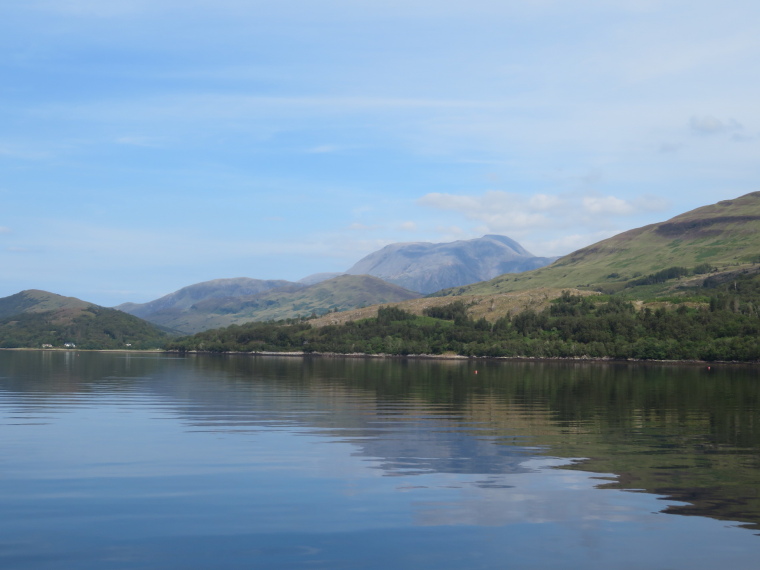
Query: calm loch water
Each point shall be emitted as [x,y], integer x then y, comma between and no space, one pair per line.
[157,461]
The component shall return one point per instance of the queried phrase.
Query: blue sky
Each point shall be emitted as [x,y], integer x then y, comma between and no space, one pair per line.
[146,145]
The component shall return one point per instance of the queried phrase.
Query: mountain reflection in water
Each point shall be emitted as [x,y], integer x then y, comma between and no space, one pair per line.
[375,445]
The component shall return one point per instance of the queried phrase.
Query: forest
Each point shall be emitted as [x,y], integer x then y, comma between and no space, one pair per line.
[95,328]
[718,321]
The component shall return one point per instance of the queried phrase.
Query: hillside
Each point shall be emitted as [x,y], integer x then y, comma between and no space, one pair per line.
[188,296]
[716,238]
[33,318]
[721,323]
[430,267]
[488,307]
[292,301]
[36,301]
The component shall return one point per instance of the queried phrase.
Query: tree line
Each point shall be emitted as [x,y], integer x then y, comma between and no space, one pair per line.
[718,322]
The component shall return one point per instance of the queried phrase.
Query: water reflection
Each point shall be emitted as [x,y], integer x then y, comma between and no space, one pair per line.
[263,445]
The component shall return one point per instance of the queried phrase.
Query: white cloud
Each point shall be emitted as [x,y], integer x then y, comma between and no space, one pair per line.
[546,224]
[501,211]
[544,202]
[408,226]
[5,230]
[607,206]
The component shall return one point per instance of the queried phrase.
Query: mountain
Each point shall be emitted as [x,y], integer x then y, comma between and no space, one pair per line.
[410,267]
[33,318]
[318,278]
[188,296]
[291,301]
[720,238]
[430,267]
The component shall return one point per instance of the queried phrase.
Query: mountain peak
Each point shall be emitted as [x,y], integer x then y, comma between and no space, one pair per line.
[428,267]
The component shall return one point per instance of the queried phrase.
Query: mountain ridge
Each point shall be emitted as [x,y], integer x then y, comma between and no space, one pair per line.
[426,266]
[215,288]
[286,302]
[429,267]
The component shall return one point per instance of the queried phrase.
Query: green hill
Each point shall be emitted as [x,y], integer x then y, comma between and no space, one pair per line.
[337,294]
[36,301]
[33,319]
[723,237]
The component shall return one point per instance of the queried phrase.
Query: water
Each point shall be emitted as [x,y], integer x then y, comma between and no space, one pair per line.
[156,461]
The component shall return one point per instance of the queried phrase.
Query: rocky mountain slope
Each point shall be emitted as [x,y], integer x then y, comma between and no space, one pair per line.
[430,267]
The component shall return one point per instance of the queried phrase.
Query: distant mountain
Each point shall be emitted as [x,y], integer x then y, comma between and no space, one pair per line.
[318,278]
[430,267]
[216,289]
[720,238]
[291,301]
[409,267]
[33,318]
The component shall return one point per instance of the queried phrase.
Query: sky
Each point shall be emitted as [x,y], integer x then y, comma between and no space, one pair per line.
[146,145]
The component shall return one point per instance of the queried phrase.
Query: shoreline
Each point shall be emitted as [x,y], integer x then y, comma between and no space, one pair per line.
[301,354]
[566,359]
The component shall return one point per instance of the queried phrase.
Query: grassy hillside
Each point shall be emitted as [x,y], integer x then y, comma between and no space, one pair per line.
[192,294]
[31,319]
[337,294]
[36,301]
[721,237]
[489,307]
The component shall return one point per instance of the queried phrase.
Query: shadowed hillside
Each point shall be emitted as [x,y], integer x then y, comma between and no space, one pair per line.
[36,319]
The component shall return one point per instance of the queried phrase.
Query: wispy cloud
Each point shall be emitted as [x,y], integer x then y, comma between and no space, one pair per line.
[709,125]
[323,149]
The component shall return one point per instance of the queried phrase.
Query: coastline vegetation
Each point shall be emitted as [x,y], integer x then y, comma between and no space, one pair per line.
[95,328]
[718,321]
